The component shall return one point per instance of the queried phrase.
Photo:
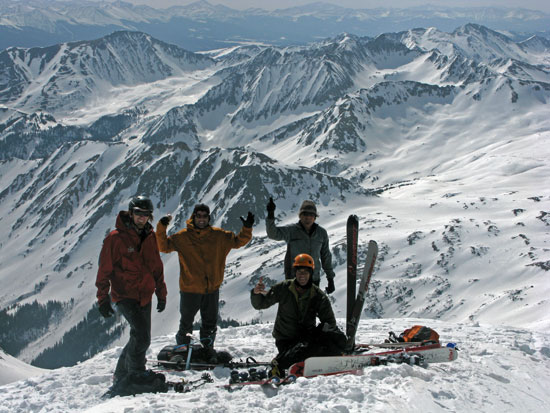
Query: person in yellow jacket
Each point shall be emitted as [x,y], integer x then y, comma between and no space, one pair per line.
[202,250]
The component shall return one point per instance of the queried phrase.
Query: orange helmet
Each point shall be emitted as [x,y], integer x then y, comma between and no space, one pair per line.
[304,260]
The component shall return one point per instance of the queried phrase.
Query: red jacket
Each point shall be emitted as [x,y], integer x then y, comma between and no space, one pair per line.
[130,267]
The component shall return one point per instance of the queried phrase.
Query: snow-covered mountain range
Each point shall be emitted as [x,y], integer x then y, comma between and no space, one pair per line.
[437,141]
[203,26]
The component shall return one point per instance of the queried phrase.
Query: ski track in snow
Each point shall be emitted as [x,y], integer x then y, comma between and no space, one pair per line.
[499,369]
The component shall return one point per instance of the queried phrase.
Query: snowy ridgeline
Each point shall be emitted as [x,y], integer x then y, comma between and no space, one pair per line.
[499,369]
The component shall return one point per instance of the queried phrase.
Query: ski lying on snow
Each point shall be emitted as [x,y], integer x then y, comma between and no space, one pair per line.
[185,386]
[297,370]
[366,346]
[431,353]
[272,382]
[180,365]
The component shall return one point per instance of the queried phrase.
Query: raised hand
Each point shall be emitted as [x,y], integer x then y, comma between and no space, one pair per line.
[165,220]
[259,288]
[249,221]
[270,208]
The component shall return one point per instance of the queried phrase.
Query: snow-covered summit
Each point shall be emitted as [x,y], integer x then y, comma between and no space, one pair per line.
[67,76]
[498,369]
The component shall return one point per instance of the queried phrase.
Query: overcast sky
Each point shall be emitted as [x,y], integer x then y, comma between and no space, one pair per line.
[543,5]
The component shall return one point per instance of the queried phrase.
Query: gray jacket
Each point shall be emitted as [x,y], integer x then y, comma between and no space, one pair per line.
[300,242]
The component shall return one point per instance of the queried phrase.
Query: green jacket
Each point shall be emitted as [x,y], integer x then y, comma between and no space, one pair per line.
[300,242]
[296,315]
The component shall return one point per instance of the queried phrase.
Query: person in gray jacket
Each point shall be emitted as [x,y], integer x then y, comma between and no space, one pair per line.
[303,237]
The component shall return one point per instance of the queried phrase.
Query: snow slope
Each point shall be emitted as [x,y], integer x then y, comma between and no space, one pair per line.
[499,369]
[12,369]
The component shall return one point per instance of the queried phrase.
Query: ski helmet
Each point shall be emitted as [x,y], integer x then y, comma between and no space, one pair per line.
[141,202]
[304,260]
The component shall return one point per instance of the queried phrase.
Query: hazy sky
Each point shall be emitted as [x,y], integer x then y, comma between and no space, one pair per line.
[543,5]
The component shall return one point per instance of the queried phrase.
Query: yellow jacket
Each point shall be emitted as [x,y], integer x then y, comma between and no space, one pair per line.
[202,254]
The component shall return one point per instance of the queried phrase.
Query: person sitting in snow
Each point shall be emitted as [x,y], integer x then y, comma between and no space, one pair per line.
[131,268]
[301,302]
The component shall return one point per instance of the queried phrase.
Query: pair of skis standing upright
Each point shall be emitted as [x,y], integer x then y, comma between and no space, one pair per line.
[355,300]
[355,303]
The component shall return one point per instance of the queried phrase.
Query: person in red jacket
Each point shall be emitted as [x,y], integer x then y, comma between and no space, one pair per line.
[131,268]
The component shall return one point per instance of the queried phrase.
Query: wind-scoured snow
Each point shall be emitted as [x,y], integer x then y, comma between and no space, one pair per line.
[499,369]
[12,369]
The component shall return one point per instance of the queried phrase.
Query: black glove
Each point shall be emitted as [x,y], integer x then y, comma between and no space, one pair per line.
[161,305]
[165,220]
[330,287]
[270,208]
[249,221]
[105,308]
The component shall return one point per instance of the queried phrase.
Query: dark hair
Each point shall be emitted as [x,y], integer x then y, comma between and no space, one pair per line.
[201,207]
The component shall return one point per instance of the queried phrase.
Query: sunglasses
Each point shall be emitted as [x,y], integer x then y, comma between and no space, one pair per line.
[141,213]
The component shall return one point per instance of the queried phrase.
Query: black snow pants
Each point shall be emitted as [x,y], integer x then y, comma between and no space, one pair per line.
[190,304]
[318,342]
[132,359]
